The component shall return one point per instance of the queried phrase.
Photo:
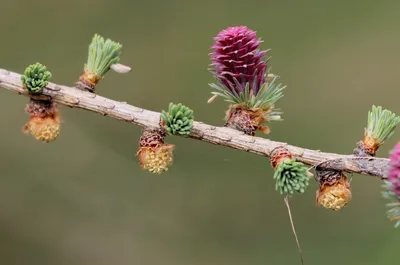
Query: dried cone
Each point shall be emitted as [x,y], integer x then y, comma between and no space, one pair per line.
[44,122]
[239,66]
[334,192]
[154,155]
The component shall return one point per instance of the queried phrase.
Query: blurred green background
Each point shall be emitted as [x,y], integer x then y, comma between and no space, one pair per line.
[83,200]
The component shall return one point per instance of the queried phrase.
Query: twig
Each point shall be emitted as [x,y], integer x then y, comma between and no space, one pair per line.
[286,200]
[73,97]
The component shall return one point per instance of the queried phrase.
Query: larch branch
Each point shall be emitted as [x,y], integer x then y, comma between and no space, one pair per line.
[73,97]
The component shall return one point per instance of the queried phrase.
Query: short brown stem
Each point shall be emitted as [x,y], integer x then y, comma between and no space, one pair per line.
[278,155]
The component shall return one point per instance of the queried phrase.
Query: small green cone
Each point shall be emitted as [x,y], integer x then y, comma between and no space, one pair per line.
[291,177]
[178,120]
[35,78]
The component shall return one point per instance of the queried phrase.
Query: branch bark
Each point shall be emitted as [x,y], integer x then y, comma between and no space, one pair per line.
[75,98]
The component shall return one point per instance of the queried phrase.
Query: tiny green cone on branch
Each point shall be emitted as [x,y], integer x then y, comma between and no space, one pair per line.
[35,78]
[178,120]
[381,125]
[103,56]
[291,176]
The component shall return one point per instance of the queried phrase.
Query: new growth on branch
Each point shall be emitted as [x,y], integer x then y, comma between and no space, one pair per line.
[243,79]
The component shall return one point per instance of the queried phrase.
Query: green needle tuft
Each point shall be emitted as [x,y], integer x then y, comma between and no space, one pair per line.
[267,96]
[35,78]
[291,176]
[102,54]
[178,120]
[381,124]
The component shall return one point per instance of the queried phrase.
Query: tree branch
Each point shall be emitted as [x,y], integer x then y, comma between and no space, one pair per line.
[75,98]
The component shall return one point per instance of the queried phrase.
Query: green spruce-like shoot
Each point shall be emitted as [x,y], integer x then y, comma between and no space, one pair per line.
[381,124]
[291,176]
[35,78]
[102,54]
[178,120]
[267,96]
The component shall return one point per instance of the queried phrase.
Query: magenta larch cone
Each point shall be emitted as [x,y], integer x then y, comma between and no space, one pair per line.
[394,169]
[236,55]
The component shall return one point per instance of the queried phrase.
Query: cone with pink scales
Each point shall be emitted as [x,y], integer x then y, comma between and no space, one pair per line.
[241,71]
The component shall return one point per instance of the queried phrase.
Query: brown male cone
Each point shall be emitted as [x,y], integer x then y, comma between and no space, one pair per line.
[44,121]
[334,192]
[154,155]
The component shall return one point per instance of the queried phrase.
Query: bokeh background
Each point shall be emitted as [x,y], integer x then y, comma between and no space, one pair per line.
[83,200]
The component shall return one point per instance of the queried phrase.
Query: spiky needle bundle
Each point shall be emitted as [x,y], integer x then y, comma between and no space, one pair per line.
[102,54]
[291,176]
[35,78]
[178,119]
[381,124]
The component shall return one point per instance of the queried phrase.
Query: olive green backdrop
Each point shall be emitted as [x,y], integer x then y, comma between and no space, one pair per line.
[83,200]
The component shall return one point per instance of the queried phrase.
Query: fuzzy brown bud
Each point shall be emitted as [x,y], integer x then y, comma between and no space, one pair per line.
[154,155]
[44,122]
[334,192]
